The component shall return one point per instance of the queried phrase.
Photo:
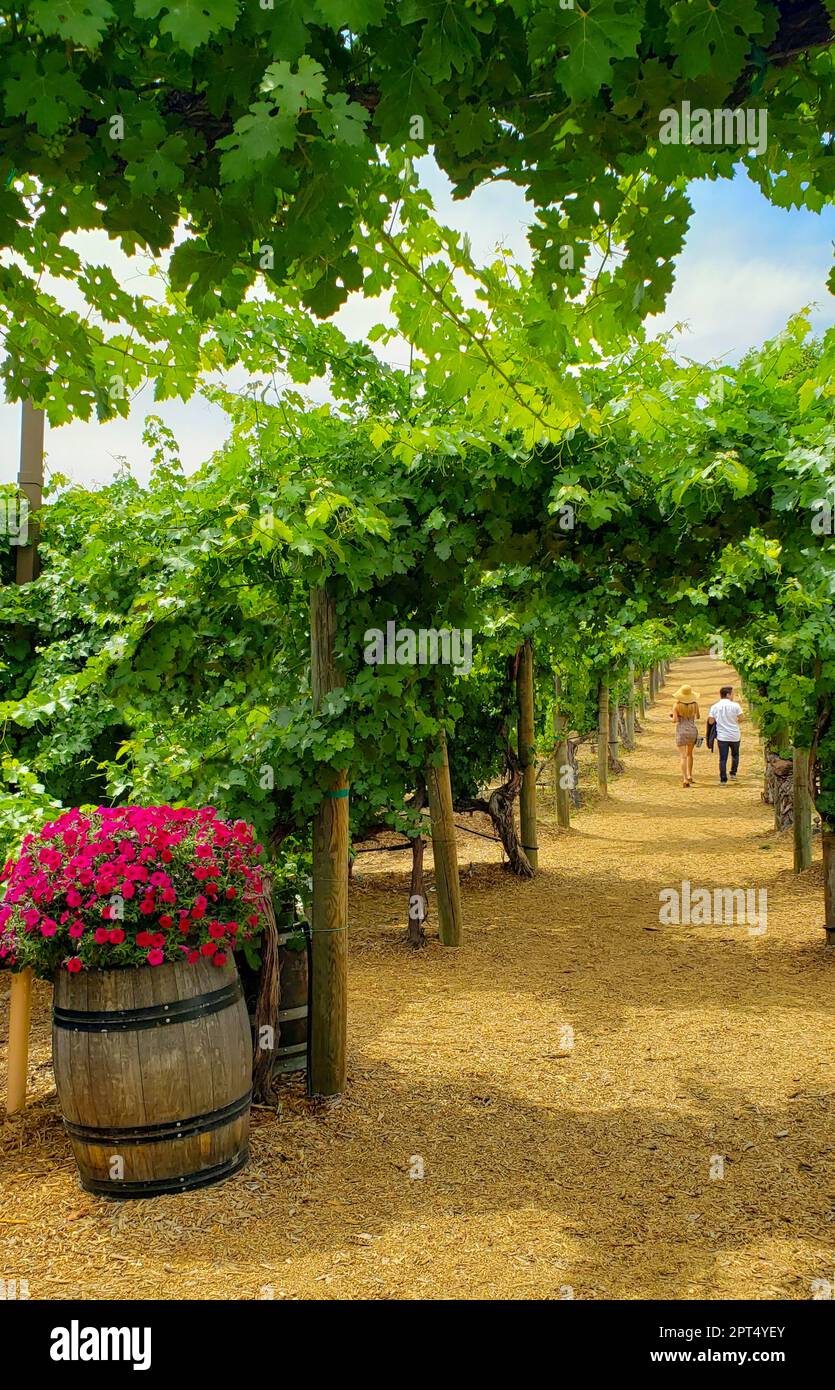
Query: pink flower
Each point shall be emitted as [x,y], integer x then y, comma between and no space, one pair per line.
[73,965]
[101,935]
[155,957]
[76,930]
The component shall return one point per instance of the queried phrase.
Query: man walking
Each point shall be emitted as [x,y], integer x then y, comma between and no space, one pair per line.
[726,714]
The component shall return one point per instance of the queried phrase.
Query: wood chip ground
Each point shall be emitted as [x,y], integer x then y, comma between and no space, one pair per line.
[549,1170]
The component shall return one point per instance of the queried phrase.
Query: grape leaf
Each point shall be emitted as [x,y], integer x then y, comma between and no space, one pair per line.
[595,33]
[342,119]
[161,171]
[78,21]
[258,136]
[356,15]
[714,33]
[189,22]
[449,38]
[294,92]
[47,93]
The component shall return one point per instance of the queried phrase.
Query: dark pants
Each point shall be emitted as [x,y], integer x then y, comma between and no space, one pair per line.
[725,746]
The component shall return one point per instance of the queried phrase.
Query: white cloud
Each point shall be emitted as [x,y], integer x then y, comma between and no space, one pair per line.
[733,303]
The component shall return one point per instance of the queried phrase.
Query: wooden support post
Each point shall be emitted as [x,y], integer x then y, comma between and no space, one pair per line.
[30,483]
[444,846]
[562,767]
[829,883]
[653,689]
[629,741]
[329,917]
[614,741]
[802,809]
[603,739]
[780,741]
[642,695]
[527,753]
[20,1007]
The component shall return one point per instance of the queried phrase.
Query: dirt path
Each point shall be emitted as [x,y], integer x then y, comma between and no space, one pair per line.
[546,1170]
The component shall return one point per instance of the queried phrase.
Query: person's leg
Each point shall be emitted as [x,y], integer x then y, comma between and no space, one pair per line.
[690,748]
[734,758]
[682,757]
[723,759]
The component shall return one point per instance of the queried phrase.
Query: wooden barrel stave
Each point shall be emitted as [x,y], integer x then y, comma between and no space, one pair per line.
[194,1073]
[291,1051]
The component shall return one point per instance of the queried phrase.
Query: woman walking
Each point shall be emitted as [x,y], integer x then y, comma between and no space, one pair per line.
[685,712]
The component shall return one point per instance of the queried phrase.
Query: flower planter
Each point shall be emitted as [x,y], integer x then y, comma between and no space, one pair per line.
[154,1072]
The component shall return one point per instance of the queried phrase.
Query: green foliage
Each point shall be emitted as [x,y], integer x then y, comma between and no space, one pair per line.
[235,126]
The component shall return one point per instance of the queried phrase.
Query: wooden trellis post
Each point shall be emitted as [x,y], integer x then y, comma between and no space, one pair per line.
[444,845]
[828,838]
[614,741]
[802,809]
[630,709]
[527,753]
[603,739]
[329,917]
[30,482]
[562,794]
[642,695]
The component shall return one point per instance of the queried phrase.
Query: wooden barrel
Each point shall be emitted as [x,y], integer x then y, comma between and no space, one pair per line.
[153,1067]
[291,1052]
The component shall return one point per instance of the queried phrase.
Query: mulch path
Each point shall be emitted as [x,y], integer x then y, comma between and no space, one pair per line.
[565,1083]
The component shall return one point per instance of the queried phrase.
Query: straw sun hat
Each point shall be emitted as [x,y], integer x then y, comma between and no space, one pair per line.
[687,695]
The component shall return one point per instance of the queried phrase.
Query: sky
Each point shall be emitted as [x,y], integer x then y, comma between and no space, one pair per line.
[745,268]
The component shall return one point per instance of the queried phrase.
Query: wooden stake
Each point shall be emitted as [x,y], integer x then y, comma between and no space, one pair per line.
[630,710]
[642,695]
[562,794]
[415,934]
[329,916]
[603,739]
[30,483]
[20,1008]
[614,741]
[527,753]
[829,883]
[802,809]
[444,844]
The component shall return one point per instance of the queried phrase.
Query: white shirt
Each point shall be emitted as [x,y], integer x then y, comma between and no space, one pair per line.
[726,713]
